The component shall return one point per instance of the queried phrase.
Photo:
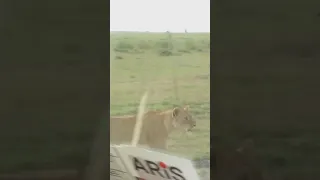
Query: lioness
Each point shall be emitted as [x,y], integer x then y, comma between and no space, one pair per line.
[156,126]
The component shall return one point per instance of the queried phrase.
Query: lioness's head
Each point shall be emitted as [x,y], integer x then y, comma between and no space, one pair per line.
[183,118]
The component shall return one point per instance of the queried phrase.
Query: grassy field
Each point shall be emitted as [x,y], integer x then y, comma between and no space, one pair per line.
[50,133]
[177,74]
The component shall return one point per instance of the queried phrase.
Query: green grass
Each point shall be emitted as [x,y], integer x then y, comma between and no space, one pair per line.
[134,69]
[61,141]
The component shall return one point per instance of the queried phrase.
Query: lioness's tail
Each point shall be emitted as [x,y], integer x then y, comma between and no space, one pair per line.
[138,126]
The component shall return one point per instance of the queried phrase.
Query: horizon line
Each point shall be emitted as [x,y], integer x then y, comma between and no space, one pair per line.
[161,31]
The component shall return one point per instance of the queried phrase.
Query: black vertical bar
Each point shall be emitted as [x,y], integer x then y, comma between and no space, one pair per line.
[54,75]
[265,82]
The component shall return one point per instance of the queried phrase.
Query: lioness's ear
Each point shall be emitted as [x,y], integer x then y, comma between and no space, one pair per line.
[186,107]
[175,112]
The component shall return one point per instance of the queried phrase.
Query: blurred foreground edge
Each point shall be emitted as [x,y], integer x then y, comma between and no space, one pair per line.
[54,84]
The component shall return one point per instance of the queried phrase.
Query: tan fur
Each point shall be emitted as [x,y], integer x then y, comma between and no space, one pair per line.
[155,129]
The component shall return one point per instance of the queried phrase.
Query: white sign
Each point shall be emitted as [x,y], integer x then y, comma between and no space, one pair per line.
[135,163]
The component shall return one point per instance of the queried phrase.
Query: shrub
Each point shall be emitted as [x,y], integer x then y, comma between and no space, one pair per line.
[124,46]
[145,45]
[190,44]
[161,44]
